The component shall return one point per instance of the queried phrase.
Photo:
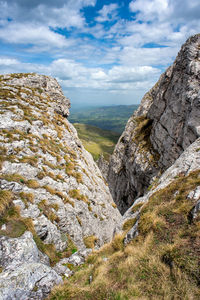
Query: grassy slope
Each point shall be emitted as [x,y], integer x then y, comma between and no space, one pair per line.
[96,140]
[112,118]
[161,263]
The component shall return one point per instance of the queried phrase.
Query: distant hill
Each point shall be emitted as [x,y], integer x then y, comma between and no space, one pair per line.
[97,141]
[112,118]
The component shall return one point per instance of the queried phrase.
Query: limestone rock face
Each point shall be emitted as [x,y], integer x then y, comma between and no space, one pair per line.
[188,162]
[165,124]
[26,271]
[103,166]
[52,181]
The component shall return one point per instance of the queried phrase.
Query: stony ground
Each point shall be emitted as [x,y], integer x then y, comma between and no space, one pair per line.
[49,184]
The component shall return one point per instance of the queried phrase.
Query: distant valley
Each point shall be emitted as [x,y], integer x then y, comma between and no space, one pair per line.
[112,118]
[96,140]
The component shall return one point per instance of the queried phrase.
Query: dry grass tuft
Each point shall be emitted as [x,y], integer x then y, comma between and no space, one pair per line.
[161,263]
[6,198]
[90,241]
[33,184]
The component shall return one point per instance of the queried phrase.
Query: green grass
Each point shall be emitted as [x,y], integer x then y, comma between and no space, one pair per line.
[161,263]
[97,141]
[112,118]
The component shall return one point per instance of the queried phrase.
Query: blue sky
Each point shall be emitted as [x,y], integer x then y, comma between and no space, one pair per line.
[101,52]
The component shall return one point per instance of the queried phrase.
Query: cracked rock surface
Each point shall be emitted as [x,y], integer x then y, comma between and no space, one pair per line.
[165,124]
[48,183]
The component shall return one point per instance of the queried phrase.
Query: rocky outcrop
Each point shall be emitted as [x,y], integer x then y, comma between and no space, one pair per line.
[188,162]
[164,125]
[26,271]
[49,183]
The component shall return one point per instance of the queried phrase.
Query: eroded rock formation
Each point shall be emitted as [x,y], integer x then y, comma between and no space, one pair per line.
[165,124]
[49,183]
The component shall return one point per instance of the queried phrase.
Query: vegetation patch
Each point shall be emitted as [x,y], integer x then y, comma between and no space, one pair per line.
[128,224]
[90,241]
[75,193]
[27,197]
[161,263]
[136,207]
[33,184]
[13,177]
[97,141]
[141,136]
[46,209]
[6,198]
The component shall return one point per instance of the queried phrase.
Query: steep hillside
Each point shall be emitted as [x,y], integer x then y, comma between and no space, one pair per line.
[165,124]
[53,197]
[97,141]
[156,254]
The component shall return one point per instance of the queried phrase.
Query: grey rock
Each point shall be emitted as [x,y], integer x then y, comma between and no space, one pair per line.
[131,234]
[3,227]
[23,249]
[189,161]
[12,186]
[19,203]
[31,212]
[193,214]
[103,166]
[20,283]
[62,269]
[164,125]
[33,117]
[26,271]
[41,145]
[68,273]
[49,233]
[76,259]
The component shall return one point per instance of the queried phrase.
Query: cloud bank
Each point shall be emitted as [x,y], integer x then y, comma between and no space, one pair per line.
[100,53]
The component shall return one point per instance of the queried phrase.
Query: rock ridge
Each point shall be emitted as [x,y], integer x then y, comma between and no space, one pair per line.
[49,183]
[165,124]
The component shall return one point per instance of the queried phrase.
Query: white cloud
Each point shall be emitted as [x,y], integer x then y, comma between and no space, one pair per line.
[107,13]
[150,10]
[123,59]
[33,35]
[6,61]
[60,13]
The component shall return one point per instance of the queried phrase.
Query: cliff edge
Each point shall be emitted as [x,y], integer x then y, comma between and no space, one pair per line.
[165,124]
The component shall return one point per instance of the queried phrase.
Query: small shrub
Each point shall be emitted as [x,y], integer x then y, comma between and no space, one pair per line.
[27,197]
[33,184]
[41,175]
[75,193]
[31,160]
[117,242]
[6,198]
[90,241]
[49,189]
[78,177]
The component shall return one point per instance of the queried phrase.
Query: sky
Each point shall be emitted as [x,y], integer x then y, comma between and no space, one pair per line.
[101,52]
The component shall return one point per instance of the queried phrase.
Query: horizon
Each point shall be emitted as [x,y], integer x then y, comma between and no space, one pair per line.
[102,53]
